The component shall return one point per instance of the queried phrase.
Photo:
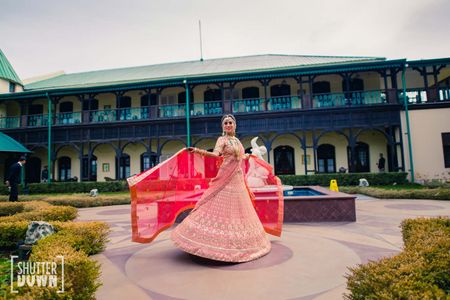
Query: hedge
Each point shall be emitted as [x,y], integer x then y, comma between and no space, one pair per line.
[81,274]
[14,227]
[116,186]
[52,213]
[74,240]
[83,200]
[10,208]
[70,187]
[346,179]
[436,194]
[421,271]
[91,236]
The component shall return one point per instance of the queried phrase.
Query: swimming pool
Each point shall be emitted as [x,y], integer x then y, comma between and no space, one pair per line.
[318,204]
[295,192]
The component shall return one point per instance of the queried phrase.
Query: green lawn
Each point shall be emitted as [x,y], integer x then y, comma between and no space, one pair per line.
[400,192]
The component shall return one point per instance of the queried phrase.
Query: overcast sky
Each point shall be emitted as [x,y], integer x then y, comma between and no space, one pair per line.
[43,36]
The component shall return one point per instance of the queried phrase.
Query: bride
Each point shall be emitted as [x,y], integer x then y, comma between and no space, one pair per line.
[224,225]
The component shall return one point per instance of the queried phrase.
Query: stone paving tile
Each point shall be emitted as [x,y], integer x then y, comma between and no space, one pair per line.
[308,262]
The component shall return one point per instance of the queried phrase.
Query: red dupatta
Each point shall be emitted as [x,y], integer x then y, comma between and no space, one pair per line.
[160,194]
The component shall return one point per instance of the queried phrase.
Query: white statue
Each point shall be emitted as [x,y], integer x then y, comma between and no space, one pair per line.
[257,175]
[363,182]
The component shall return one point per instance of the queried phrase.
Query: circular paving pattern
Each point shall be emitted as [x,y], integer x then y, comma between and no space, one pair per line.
[164,269]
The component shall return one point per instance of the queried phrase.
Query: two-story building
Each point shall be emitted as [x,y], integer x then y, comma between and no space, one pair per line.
[315,114]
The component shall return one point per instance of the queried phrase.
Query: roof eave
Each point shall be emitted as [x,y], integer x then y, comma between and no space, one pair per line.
[310,70]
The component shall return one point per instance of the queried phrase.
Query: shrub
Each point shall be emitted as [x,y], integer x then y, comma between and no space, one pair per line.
[89,237]
[71,187]
[52,213]
[79,201]
[74,241]
[436,194]
[81,275]
[346,179]
[10,208]
[11,233]
[421,271]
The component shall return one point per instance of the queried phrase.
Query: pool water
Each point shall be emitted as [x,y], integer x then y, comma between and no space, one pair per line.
[301,192]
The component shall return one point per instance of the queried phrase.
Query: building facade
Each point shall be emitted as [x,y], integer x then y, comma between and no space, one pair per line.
[314,114]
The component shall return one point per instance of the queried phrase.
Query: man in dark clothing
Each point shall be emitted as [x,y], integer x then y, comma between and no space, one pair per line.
[44,174]
[381,163]
[14,178]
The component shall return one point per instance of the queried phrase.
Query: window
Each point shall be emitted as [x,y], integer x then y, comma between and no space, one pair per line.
[147,161]
[321,87]
[182,97]
[65,116]
[279,90]
[284,160]
[12,87]
[35,109]
[90,104]
[355,84]
[326,158]
[149,99]
[446,146]
[64,168]
[361,156]
[124,112]
[84,173]
[250,92]
[212,95]
[66,107]
[124,166]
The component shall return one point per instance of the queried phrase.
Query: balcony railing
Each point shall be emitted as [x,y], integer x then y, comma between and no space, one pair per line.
[119,114]
[37,120]
[172,111]
[9,122]
[284,103]
[248,105]
[67,118]
[207,108]
[349,99]
[420,95]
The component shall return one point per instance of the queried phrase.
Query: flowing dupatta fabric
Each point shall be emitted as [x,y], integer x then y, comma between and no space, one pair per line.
[160,194]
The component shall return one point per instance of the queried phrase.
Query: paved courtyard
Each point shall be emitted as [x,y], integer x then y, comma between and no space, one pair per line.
[309,261]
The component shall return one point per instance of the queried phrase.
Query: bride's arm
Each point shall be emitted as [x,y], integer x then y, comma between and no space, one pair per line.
[215,153]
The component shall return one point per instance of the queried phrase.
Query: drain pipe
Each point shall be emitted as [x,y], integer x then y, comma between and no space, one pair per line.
[408,129]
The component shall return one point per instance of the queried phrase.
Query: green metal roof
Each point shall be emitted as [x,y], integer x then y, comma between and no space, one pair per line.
[194,69]
[8,144]
[6,70]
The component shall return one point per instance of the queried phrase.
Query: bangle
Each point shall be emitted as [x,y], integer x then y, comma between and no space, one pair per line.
[202,152]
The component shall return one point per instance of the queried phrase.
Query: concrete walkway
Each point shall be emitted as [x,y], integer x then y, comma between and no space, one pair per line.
[309,261]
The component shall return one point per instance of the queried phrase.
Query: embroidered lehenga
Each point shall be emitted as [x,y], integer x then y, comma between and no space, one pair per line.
[224,225]
[229,221]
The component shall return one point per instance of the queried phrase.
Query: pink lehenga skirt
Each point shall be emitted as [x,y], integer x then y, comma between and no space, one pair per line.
[224,225]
